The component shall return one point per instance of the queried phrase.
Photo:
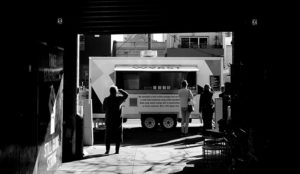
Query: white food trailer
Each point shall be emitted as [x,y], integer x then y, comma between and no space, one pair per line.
[153,84]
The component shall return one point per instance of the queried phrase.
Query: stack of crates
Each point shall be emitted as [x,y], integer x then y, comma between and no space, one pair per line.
[216,152]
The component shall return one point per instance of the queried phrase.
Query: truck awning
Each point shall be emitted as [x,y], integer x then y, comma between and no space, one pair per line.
[181,68]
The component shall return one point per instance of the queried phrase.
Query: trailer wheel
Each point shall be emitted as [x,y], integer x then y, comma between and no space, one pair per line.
[169,122]
[149,122]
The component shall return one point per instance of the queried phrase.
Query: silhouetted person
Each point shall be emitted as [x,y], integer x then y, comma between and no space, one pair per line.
[207,107]
[200,89]
[226,103]
[226,100]
[113,120]
[185,96]
[222,91]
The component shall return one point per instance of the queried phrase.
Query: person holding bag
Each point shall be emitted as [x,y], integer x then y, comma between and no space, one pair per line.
[190,105]
[186,97]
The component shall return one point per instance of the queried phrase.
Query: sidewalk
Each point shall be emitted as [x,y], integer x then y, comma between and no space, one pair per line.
[175,156]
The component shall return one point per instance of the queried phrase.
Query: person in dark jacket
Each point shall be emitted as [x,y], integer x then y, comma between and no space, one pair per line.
[226,99]
[226,103]
[207,107]
[113,119]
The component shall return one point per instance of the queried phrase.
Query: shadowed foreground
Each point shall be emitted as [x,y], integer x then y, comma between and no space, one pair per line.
[143,151]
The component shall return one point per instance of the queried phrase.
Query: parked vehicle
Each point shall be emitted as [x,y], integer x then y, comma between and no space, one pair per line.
[152,84]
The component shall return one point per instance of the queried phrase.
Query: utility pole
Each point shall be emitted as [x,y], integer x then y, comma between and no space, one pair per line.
[149,41]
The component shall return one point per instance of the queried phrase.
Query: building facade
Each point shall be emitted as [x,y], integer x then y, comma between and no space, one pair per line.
[227,46]
[194,40]
[210,44]
[133,44]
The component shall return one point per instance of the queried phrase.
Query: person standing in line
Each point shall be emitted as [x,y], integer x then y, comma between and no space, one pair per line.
[226,100]
[207,107]
[113,119]
[222,91]
[185,96]
[200,90]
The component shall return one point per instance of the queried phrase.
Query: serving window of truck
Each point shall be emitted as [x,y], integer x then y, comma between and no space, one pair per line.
[156,78]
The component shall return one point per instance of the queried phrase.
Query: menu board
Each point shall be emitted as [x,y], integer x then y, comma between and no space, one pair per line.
[215,82]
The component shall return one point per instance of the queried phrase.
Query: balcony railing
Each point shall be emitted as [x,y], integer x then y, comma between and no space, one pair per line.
[154,45]
[204,46]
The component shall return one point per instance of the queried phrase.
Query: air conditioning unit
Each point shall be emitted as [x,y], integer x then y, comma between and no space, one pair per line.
[148,53]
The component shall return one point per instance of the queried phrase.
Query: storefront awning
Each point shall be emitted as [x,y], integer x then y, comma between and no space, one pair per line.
[181,68]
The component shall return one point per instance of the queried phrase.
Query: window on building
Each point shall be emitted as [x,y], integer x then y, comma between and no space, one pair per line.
[194,42]
[185,42]
[203,42]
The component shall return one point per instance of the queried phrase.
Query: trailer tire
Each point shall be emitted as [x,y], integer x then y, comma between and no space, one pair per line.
[149,122]
[168,122]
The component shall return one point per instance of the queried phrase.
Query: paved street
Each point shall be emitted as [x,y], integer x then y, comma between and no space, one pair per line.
[134,134]
[144,151]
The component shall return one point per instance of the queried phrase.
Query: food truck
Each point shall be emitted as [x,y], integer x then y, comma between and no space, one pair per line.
[152,84]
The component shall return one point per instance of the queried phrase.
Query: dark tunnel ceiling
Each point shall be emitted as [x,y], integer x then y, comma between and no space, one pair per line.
[131,16]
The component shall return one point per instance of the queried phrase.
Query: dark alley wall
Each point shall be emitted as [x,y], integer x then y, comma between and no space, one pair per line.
[32,79]
[256,107]
[31,128]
